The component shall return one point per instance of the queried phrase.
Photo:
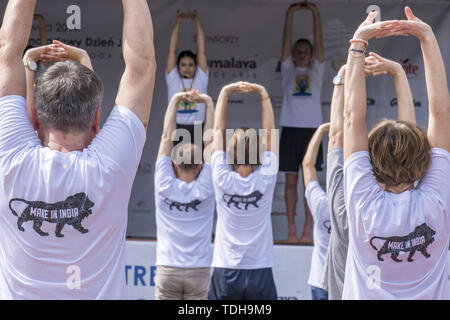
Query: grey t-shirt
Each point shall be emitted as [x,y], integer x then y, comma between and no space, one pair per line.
[338,245]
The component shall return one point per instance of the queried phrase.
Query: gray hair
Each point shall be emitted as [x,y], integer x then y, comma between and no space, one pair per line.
[67,97]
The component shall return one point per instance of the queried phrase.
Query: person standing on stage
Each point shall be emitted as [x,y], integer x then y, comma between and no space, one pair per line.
[64,183]
[186,72]
[185,203]
[302,68]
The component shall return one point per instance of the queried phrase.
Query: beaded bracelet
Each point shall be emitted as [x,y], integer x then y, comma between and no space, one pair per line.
[359,40]
[356,52]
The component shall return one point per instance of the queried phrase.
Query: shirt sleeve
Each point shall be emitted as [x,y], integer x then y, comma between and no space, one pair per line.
[437,176]
[287,66]
[205,181]
[317,199]
[121,139]
[164,174]
[201,75]
[221,170]
[16,130]
[172,75]
[360,185]
[269,166]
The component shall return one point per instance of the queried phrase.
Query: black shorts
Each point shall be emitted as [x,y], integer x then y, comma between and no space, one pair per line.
[242,284]
[293,145]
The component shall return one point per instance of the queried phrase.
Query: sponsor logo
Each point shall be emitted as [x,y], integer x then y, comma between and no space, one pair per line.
[417,103]
[232,63]
[410,69]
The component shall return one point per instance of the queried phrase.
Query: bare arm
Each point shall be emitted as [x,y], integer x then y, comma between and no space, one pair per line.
[170,125]
[436,79]
[336,135]
[209,118]
[138,81]
[309,160]
[268,120]
[355,130]
[287,33]
[172,55]
[202,60]
[318,37]
[376,65]
[14,35]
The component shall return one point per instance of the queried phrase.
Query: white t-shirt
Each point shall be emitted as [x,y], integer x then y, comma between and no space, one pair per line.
[184,217]
[385,228]
[302,88]
[188,113]
[85,193]
[244,238]
[318,203]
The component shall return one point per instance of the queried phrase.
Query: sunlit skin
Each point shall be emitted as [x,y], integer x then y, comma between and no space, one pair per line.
[186,67]
[302,55]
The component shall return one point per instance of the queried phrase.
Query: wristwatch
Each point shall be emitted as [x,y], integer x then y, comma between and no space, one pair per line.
[30,64]
[338,80]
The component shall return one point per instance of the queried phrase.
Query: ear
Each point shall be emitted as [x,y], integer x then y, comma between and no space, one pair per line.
[34,118]
[96,123]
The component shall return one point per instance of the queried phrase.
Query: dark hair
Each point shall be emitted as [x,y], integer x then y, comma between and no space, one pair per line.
[303,40]
[186,53]
[67,97]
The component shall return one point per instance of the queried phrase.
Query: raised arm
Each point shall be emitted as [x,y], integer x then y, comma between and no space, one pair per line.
[355,130]
[268,120]
[336,134]
[436,80]
[172,55]
[202,60]
[376,65]
[170,125]
[288,26]
[138,81]
[309,160]
[14,35]
[318,37]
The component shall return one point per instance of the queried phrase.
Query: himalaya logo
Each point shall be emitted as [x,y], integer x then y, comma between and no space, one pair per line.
[232,64]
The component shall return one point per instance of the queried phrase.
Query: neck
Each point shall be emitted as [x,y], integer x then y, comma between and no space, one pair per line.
[65,142]
[402,187]
[243,170]
[187,176]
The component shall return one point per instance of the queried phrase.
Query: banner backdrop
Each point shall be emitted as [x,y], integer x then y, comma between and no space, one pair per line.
[290,271]
[243,42]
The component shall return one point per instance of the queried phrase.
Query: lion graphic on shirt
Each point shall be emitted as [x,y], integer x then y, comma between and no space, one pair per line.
[70,211]
[183,206]
[418,240]
[250,199]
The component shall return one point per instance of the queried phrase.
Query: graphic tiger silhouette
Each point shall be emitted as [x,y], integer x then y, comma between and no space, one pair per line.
[418,240]
[70,211]
[251,199]
[183,206]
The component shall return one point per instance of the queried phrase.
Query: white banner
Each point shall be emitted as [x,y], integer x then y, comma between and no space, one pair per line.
[290,270]
[243,42]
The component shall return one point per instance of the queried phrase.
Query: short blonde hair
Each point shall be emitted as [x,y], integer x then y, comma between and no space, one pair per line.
[399,152]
